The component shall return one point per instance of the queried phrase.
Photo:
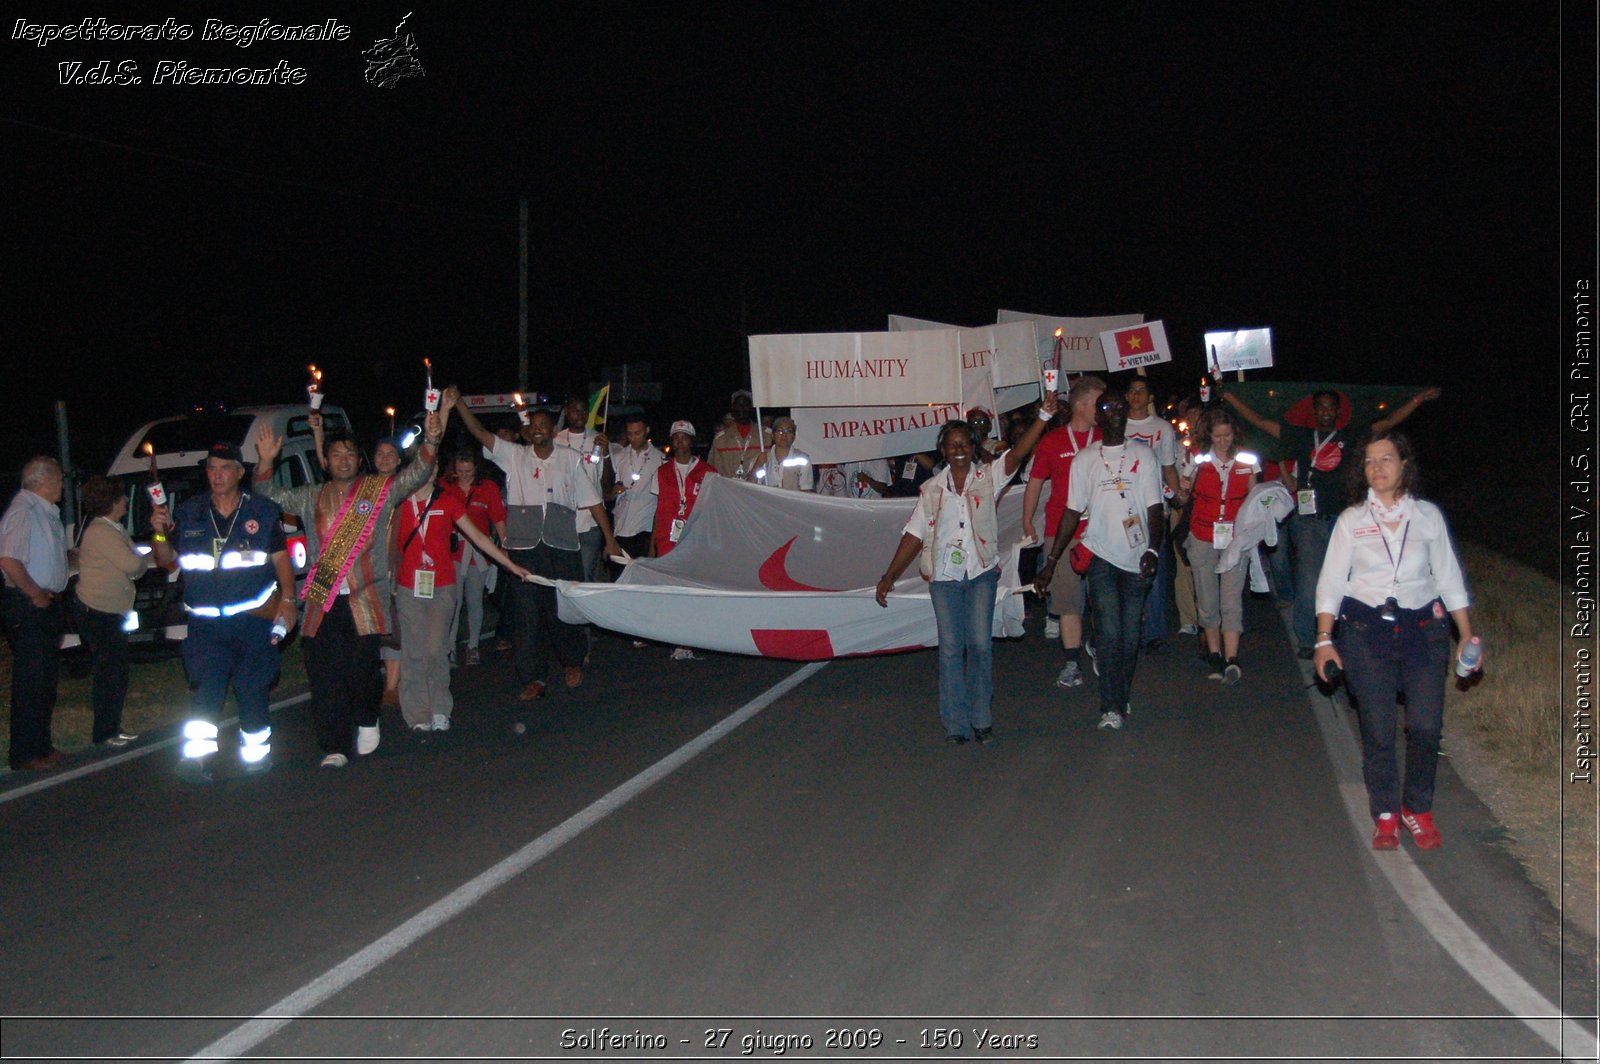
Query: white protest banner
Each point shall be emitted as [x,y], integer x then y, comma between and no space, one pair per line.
[1081,350]
[856,369]
[856,434]
[1241,349]
[1140,345]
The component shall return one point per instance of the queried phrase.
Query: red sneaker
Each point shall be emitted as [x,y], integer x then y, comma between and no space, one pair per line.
[1423,833]
[1387,835]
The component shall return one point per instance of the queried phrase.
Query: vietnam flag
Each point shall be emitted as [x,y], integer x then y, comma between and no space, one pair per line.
[1136,345]
[1135,342]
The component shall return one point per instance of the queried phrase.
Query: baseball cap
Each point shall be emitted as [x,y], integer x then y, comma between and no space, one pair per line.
[228,452]
[681,426]
[742,391]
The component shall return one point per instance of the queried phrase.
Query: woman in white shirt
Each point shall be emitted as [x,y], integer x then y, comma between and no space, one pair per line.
[782,466]
[955,534]
[1392,579]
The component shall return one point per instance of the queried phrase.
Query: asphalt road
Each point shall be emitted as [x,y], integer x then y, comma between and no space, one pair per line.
[1188,887]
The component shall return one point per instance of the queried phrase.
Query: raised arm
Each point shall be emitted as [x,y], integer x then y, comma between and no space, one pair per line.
[485,438]
[1405,410]
[1018,454]
[1271,428]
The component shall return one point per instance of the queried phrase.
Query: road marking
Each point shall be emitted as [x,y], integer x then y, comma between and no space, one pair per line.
[143,750]
[1444,924]
[252,1033]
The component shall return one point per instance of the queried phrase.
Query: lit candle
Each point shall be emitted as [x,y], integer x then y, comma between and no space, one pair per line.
[430,396]
[314,388]
[390,411]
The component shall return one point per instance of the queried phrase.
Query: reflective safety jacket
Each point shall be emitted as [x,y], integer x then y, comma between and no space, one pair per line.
[227,565]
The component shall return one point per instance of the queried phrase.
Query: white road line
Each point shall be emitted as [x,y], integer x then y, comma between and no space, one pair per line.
[1447,928]
[248,1035]
[143,750]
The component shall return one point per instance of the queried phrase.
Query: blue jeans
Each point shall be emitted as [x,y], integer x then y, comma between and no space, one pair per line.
[220,650]
[1311,534]
[1381,659]
[964,610]
[1117,598]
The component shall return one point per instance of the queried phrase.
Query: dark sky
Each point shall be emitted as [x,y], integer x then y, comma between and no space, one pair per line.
[1377,182]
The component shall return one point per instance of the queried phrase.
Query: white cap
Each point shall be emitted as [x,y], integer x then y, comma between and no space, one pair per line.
[681,426]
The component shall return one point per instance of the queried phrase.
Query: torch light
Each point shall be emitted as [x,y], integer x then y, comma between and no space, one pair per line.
[314,388]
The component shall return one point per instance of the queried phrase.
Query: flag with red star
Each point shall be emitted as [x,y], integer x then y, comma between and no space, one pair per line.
[1137,345]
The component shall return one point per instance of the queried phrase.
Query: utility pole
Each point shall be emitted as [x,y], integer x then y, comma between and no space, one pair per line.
[522,294]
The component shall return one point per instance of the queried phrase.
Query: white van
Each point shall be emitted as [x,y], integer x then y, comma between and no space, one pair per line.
[179,445]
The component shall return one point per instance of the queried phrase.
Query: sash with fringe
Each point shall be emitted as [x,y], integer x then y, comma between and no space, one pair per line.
[352,527]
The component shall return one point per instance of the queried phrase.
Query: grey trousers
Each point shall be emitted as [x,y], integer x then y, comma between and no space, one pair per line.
[424,649]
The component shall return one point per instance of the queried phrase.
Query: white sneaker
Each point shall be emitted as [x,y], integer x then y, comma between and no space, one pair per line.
[441,722]
[684,654]
[335,761]
[1110,720]
[1189,629]
[366,740]
[1232,674]
[1052,627]
[1070,676]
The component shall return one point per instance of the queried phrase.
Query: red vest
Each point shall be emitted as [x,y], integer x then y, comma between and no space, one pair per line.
[667,500]
[1213,502]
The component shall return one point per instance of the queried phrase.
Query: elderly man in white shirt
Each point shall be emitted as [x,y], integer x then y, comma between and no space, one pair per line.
[33,557]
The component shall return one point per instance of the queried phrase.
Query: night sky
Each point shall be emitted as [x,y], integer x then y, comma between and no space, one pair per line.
[1377,182]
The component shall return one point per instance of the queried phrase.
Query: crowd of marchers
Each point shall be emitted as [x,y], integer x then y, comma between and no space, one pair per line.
[1145,517]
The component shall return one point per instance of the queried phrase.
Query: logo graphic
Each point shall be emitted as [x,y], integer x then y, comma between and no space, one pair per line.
[252,526]
[390,60]
[364,507]
[774,572]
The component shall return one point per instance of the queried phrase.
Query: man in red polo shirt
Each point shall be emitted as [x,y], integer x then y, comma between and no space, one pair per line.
[677,489]
[1053,462]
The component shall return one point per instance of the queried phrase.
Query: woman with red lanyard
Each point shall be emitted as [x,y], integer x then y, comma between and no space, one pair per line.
[1222,479]
[426,599]
[486,509]
[1392,578]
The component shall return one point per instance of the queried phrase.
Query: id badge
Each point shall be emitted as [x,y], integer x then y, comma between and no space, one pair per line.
[1306,502]
[1222,534]
[422,584]
[217,547]
[676,530]
[1134,530]
[958,558]
[910,470]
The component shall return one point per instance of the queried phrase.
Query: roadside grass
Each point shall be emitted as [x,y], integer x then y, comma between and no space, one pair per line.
[1515,713]
[158,696]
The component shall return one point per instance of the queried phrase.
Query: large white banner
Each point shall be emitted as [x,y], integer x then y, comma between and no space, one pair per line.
[1081,350]
[856,369]
[997,374]
[742,581]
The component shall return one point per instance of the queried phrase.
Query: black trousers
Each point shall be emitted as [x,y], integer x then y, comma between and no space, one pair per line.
[539,629]
[35,637]
[346,685]
[108,645]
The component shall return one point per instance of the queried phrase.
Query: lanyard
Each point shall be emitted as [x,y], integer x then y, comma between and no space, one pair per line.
[682,470]
[1122,488]
[1074,444]
[1317,444]
[1405,533]
[422,521]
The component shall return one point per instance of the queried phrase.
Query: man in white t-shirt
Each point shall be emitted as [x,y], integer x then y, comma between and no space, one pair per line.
[634,463]
[1115,484]
[546,489]
[1148,427]
[591,448]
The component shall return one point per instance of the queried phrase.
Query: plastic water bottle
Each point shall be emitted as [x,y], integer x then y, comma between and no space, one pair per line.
[1470,658]
[279,632]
